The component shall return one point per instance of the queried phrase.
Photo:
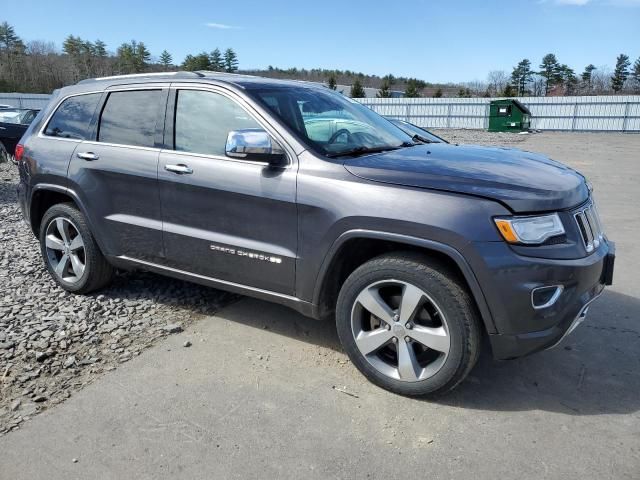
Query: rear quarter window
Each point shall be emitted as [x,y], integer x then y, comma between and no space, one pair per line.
[129,118]
[73,116]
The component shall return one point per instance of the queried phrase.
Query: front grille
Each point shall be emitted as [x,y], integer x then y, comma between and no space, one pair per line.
[590,227]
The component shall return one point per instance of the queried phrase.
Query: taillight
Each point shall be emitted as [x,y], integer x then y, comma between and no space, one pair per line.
[19,152]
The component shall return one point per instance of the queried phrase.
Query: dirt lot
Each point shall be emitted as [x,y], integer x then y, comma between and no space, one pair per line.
[261,392]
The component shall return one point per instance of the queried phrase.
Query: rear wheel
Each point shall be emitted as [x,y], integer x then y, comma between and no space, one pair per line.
[70,252]
[408,325]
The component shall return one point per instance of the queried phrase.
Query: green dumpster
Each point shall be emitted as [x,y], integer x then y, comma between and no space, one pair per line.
[508,116]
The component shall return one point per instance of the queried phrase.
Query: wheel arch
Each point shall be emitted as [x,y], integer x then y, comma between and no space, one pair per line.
[355,247]
[44,196]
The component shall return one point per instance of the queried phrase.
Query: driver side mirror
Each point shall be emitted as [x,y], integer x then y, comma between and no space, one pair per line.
[254,144]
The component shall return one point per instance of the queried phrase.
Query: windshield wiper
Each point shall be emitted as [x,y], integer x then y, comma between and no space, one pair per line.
[420,138]
[361,150]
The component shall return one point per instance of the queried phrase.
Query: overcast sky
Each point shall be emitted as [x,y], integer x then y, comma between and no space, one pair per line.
[453,40]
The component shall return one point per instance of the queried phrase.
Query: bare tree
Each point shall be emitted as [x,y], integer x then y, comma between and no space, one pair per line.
[497,80]
[601,81]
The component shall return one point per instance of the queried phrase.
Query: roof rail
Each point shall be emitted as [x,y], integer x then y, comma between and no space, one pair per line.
[143,75]
[203,73]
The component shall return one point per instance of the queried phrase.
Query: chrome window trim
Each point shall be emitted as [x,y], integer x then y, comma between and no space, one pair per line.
[251,111]
[41,133]
[120,145]
[127,88]
[222,157]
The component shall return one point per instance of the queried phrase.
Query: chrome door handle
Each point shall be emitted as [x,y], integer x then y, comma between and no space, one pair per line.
[89,156]
[180,169]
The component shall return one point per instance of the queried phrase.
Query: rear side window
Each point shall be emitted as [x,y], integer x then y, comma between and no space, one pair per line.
[129,118]
[204,119]
[73,116]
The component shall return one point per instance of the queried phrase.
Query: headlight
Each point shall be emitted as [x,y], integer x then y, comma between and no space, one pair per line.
[529,230]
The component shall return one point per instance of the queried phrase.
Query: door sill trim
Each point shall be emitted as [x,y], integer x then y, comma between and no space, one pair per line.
[250,290]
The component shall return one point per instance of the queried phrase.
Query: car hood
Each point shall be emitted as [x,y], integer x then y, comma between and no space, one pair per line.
[524,181]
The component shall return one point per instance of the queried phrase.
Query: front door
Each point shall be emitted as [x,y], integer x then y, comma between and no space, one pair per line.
[224,218]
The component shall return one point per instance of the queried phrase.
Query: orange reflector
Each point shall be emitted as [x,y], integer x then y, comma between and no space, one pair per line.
[506,231]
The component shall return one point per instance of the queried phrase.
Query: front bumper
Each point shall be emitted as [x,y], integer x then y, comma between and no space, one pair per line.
[509,279]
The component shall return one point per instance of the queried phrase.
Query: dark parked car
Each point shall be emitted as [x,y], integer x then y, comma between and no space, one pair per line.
[293,193]
[416,132]
[13,123]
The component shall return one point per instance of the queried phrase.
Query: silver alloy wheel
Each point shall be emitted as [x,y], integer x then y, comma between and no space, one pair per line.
[400,330]
[65,250]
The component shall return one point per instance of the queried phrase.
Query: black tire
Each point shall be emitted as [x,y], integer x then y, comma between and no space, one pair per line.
[453,301]
[4,154]
[97,271]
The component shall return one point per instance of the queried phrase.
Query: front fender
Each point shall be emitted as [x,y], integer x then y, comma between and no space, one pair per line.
[456,256]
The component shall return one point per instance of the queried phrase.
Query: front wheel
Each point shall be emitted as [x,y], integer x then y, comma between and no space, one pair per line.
[70,252]
[408,325]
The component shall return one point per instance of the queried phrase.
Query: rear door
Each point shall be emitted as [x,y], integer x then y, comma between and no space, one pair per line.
[225,218]
[116,172]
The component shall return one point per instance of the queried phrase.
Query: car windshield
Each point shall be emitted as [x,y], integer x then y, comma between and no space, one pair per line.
[329,122]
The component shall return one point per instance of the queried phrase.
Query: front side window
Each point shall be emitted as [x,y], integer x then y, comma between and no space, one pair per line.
[73,116]
[204,120]
[129,118]
[329,122]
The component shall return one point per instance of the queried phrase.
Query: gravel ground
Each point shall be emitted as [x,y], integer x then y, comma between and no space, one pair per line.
[481,137]
[53,343]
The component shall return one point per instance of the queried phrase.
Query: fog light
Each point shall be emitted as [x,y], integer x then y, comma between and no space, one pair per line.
[544,297]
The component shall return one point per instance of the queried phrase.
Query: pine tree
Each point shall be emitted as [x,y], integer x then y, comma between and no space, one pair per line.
[412,88]
[230,61]
[586,75]
[521,76]
[100,49]
[357,91]
[165,59]
[9,40]
[197,62]
[215,59]
[568,78]
[385,89]
[621,72]
[142,56]
[551,70]
[509,91]
[133,57]
[438,93]
[332,82]
[72,46]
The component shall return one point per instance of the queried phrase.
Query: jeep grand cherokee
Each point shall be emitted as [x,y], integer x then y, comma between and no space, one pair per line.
[293,193]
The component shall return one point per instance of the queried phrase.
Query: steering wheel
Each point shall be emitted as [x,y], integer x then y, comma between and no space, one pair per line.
[335,136]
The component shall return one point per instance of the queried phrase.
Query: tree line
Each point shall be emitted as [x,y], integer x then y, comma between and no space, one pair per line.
[559,79]
[40,67]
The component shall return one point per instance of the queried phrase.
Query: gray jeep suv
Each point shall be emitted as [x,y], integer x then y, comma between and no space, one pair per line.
[293,193]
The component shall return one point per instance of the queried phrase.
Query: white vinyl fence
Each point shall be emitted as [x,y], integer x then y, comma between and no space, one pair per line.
[601,113]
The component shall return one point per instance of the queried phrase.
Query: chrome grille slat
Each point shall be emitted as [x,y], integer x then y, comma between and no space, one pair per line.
[590,228]
[594,228]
